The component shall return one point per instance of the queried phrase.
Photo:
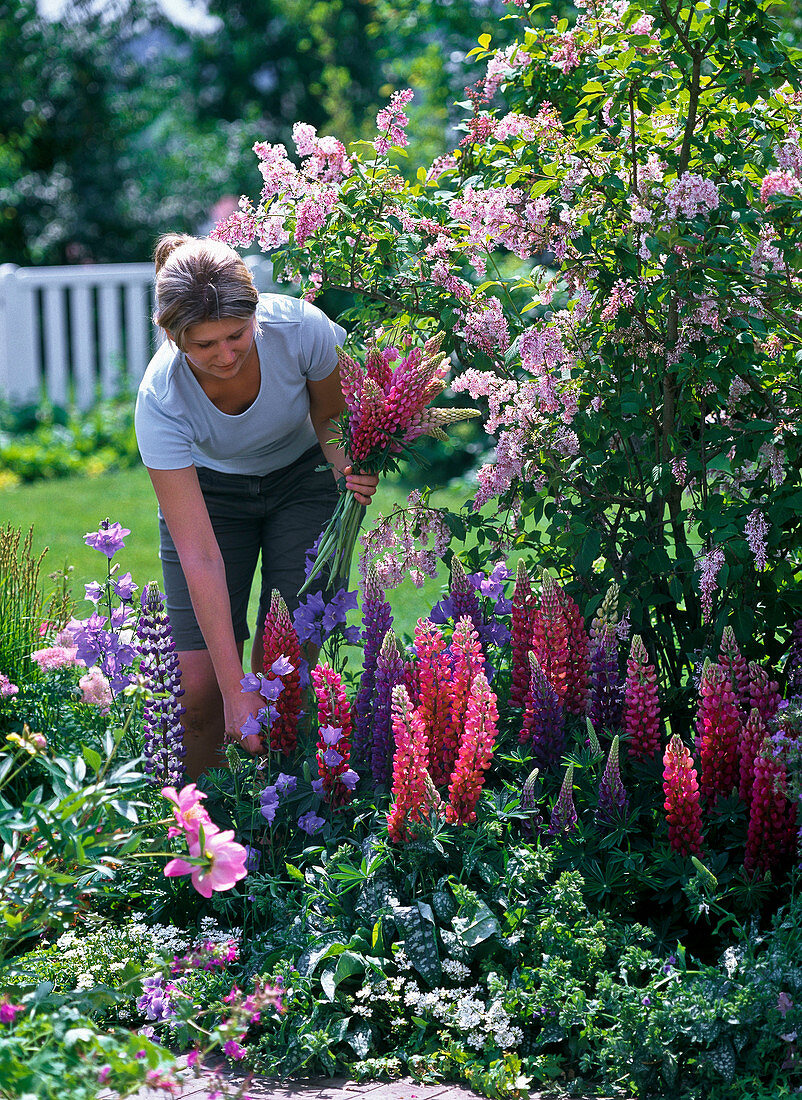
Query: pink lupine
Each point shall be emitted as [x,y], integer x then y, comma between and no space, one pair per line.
[719,732]
[412,681]
[550,637]
[434,708]
[641,703]
[734,664]
[475,753]
[524,609]
[577,670]
[366,436]
[753,735]
[410,772]
[763,692]
[467,662]
[281,640]
[334,713]
[682,801]
[770,838]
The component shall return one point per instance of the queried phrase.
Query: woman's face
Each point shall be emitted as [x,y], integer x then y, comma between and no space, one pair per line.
[219,349]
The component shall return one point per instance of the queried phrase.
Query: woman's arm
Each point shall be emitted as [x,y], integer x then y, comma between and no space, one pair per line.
[184,510]
[326,403]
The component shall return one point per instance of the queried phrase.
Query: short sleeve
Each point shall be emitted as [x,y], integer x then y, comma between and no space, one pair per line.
[164,442]
[320,338]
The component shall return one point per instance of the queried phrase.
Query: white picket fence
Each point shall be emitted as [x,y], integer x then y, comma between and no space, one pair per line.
[73,335]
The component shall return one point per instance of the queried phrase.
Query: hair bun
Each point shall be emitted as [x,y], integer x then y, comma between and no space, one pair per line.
[166,245]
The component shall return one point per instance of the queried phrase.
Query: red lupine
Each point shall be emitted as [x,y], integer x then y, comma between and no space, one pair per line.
[333,712]
[410,773]
[281,640]
[719,732]
[434,707]
[763,692]
[682,805]
[771,835]
[412,681]
[524,609]
[641,703]
[753,735]
[467,662]
[475,753]
[734,664]
[577,687]
[550,637]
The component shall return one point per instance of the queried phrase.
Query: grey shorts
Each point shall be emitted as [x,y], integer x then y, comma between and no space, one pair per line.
[278,516]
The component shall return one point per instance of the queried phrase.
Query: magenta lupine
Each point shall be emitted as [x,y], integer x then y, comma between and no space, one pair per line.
[467,661]
[770,838]
[334,713]
[606,689]
[412,680]
[563,815]
[718,726]
[753,734]
[475,753]
[550,636]
[577,669]
[434,707]
[377,618]
[410,771]
[734,664]
[543,724]
[524,609]
[613,799]
[682,799]
[163,747]
[793,662]
[763,692]
[389,674]
[641,703]
[281,640]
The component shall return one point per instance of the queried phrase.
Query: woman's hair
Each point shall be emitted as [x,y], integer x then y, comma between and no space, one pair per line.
[199,280]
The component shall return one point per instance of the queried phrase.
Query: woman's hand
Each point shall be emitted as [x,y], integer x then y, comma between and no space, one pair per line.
[238,709]
[363,485]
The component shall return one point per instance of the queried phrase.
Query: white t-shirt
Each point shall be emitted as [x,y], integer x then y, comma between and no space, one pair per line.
[178,426]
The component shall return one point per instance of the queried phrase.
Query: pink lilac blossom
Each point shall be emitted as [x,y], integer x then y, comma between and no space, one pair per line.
[756,531]
[501,67]
[486,328]
[326,157]
[692,196]
[622,295]
[312,211]
[779,183]
[709,567]
[391,122]
[496,478]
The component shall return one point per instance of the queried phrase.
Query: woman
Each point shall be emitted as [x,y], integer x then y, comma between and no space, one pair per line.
[234,419]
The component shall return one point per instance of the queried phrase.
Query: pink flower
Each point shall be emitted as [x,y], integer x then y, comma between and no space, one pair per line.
[641,703]
[53,657]
[96,690]
[6,687]
[770,837]
[475,753]
[779,183]
[9,1011]
[224,861]
[709,567]
[756,531]
[683,811]
[391,122]
[187,810]
[691,195]
[410,774]
[719,734]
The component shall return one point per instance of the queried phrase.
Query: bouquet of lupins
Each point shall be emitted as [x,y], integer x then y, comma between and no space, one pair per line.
[387,401]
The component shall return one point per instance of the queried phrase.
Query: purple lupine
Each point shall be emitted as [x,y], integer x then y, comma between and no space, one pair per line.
[377,618]
[606,688]
[389,673]
[464,600]
[613,800]
[163,749]
[793,662]
[563,816]
[534,820]
[544,719]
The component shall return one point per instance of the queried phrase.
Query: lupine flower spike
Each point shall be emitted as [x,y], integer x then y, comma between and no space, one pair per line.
[377,618]
[753,735]
[389,673]
[281,640]
[613,799]
[719,733]
[735,667]
[577,687]
[682,804]
[793,662]
[475,753]
[410,773]
[550,637]
[434,671]
[467,661]
[163,747]
[763,692]
[534,821]
[592,740]
[770,838]
[563,816]
[641,704]
[606,616]
[464,600]
[606,689]
[524,609]
[544,719]
[334,735]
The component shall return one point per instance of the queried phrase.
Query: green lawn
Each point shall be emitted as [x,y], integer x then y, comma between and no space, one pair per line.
[62,511]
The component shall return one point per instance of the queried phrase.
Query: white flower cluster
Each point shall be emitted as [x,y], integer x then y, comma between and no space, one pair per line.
[467,1012]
